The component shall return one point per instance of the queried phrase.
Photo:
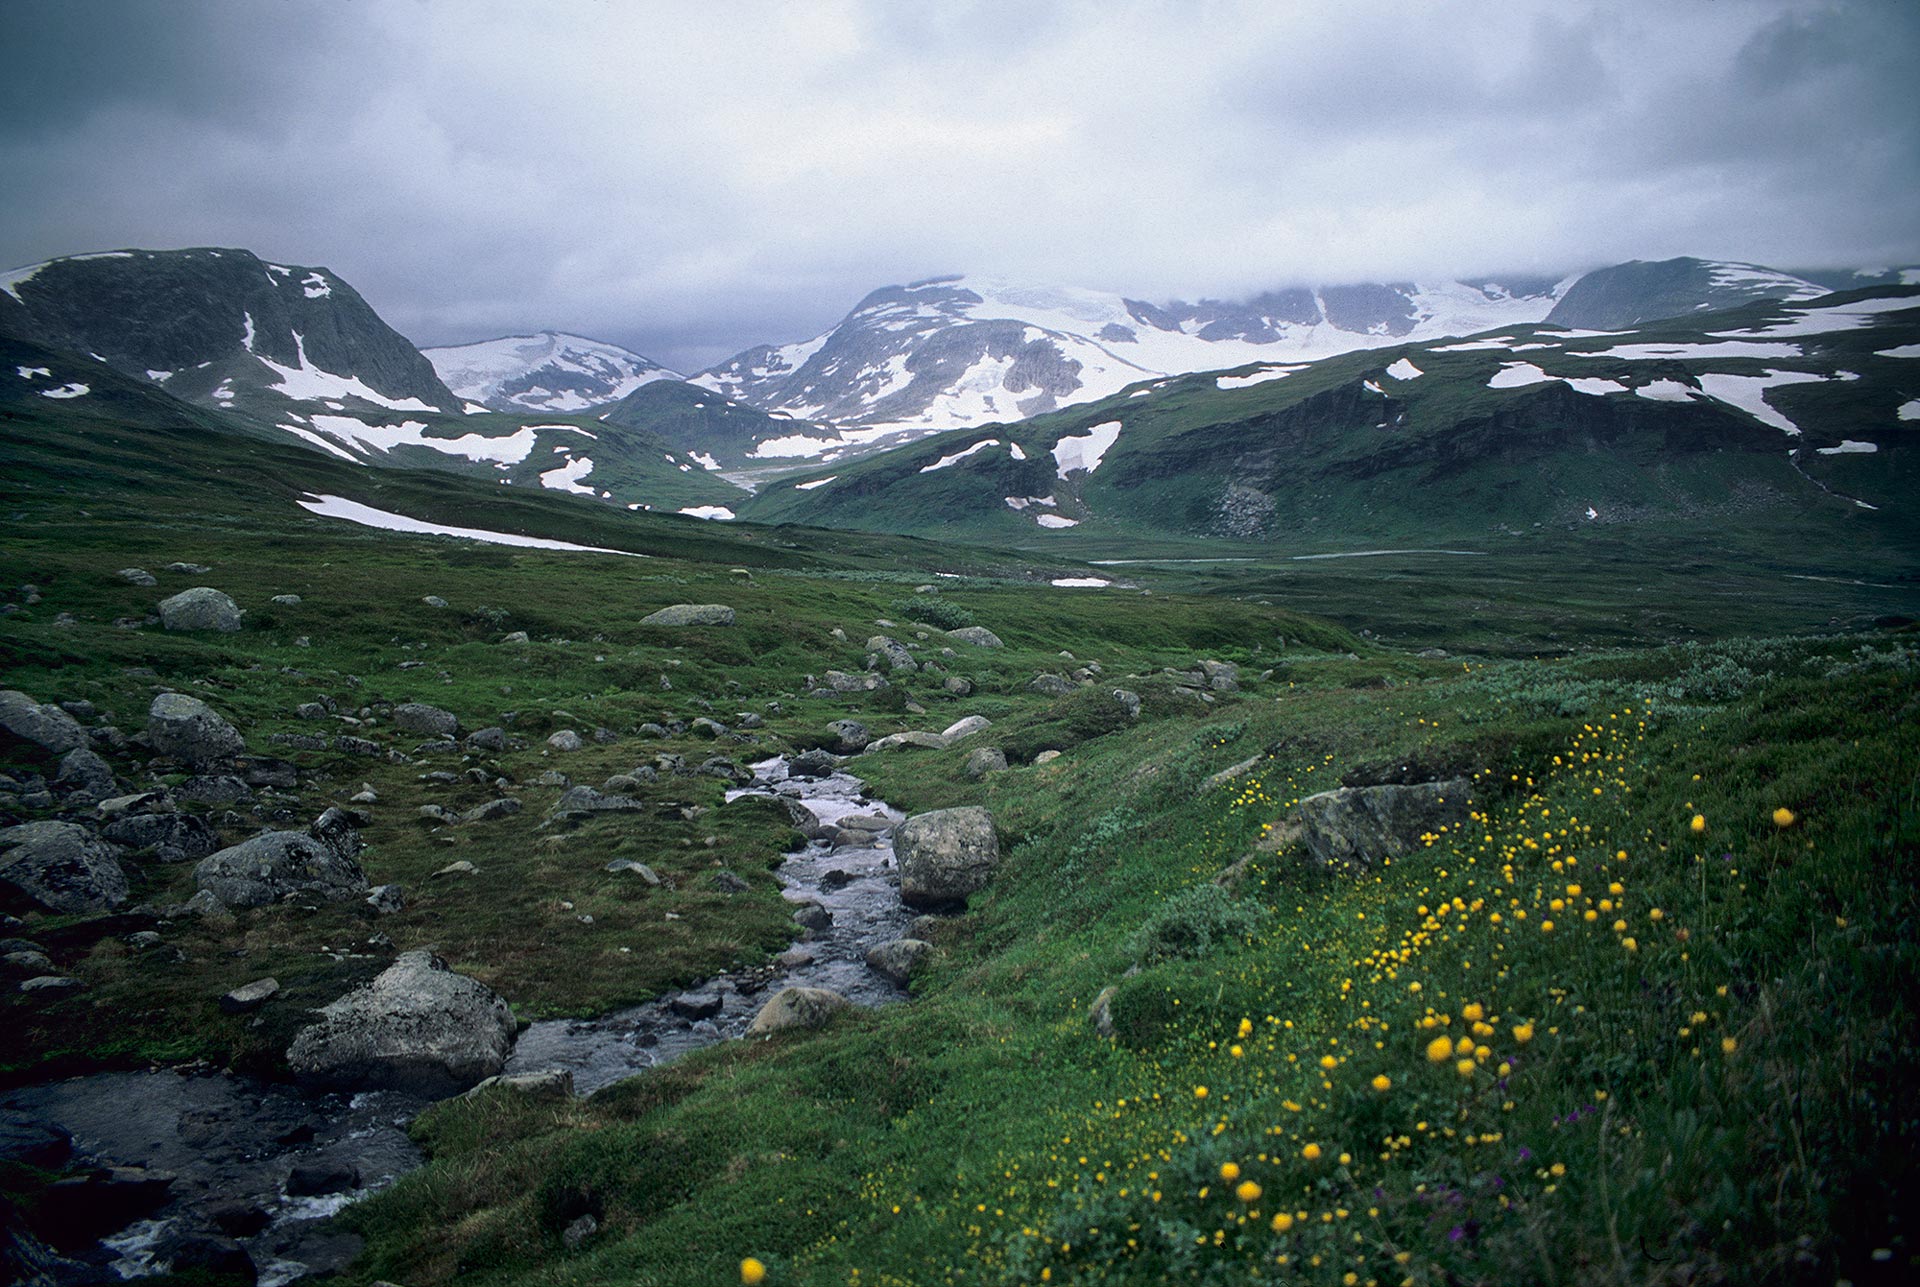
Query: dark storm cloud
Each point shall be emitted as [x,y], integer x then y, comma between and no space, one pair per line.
[691,182]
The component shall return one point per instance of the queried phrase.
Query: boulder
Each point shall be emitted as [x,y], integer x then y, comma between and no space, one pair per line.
[925,741]
[1051,685]
[690,614]
[285,600]
[249,997]
[62,866]
[958,685]
[137,576]
[190,731]
[983,760]
[47,727]
[566,740]
[850,736]
[319,862]
[488,739]
[945,855]
[548,1083]
[417,1027]
[965,728]
[1129,702]
[584,800]
[812,764]
[201,608]
[1356,827]
[893,654]
[1222,676]
[898,959]
[425,720]
[1100,1013]
[797,1008]
[978,636]
[839,681]
[504,807]
[170,837]
[84,770]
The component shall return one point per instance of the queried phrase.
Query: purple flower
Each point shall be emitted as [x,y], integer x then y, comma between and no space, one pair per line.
[1526,1155]
[1456,1233]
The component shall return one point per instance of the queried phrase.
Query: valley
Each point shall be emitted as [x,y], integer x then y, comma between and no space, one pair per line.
[1441,811]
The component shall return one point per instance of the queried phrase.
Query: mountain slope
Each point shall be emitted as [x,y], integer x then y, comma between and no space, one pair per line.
[220,325]
[1638,292]
[1773,410]
[548,371]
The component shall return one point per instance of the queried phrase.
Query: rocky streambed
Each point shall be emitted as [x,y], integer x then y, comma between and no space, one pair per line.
[207,1169]
[845,886]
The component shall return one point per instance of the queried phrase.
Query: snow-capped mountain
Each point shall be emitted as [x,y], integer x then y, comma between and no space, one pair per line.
[1762,414]
[549,371]
[959,351]
[224,328]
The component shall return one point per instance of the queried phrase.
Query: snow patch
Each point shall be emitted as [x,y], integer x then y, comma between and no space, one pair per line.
[1018,454]
[308,382]
[1825,321]
[1054,520]
[818,482]
[1904,351]
[475,409]
[1910,410]
[567,477]
[1021,502]
[1849,447]
[28,372]
[1271,372]
[508,450]
[1697,352]
[74,390]
[1081,582]
[703,460]
[246,331]
[1474,346]
[796,444]
[367,516]
[947,462]
[1666,391]
[316,287]
[1517,374]
[159,377]
[708,511]
[1748,392]
[1085,451]
[1405,370]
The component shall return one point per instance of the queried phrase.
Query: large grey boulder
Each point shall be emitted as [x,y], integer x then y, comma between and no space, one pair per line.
[319,862]
[201,608]
[47,726]
[425,720]
[82,769]
[1356,827]
[983,760]
[191,731]
[169,837]
[417,1027]
[850,736]
[945,855]
[62,866]
[964,728]
[584,800]
[978,636]
[797,1008]
[690,614]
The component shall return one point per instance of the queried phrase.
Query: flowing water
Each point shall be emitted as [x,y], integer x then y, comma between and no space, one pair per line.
[228,1138]
[850,872]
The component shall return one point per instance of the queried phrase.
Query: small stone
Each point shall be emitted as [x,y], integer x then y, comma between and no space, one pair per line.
[460,868]
[696,1005]
[249,997]
[575,1235]
[1046,757]
[136,576]
[286,600]
[434,601]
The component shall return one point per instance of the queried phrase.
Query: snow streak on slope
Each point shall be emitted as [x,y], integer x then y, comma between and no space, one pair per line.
[367,516]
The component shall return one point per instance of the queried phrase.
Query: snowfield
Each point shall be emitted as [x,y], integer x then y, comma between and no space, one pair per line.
[367,516]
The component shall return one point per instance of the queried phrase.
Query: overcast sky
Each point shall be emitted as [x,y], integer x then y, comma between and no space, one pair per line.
[692,178]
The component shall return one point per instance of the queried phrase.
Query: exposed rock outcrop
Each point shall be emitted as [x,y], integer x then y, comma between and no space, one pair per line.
[418,1027]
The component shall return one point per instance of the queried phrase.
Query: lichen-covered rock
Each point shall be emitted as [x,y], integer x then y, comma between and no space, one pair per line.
[898,960]
[47,726]
[797,1008]
[425,720]
[168,837]
[319,862]
[690,614]
[191,731]
[201,608]
[946,855]
[62,866]
[978,636]
[983,760]
[417,1027]
[1356,827]
[850,736]
[965,728]
[893,653]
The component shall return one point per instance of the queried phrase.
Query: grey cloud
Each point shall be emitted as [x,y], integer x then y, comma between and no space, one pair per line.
[692,183]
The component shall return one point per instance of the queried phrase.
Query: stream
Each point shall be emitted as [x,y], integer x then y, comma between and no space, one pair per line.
[851,874]
[232,1143]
